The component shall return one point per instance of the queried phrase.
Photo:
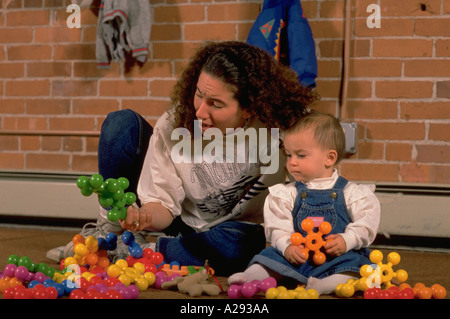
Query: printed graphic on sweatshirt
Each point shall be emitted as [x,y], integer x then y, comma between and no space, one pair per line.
[222,202]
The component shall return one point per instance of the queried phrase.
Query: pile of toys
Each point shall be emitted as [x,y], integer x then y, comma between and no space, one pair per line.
[89,274]
[377,279]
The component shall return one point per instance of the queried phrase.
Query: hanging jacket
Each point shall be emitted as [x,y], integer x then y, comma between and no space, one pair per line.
[282,29]
[123,26]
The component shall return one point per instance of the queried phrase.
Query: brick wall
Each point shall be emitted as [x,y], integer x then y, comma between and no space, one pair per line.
[399,86]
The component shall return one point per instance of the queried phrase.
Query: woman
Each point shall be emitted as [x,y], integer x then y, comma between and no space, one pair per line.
[209,197]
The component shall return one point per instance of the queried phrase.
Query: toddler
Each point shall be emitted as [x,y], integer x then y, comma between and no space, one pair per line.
[313,146]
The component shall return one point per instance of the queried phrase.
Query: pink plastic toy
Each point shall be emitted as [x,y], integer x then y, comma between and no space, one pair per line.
[250,289]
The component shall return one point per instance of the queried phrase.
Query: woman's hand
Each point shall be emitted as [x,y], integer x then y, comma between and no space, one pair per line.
[137,219]
[336,246]
[151,217]
[294,254]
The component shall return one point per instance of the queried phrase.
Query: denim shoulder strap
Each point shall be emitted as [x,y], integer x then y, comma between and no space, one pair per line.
[340,183]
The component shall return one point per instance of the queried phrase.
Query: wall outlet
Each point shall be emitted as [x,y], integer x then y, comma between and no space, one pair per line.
[350,136]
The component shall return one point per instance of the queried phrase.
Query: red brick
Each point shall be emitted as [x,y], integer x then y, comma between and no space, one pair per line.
[389,27]
[375,67]
[89,69]
[414,173]
[12,106]
[91,144]
[85,163]
[74,88]
[148,107]
[404,89]
[369,171]
[57,34]
[367,109]
[16,35]
[29,52]
[395,131]
[402,48]
[428,67]
[9,143]
[370,150]
[47,162]
[11,161]
[432,27]
[410,8]
[161,88]
[443,47]
[48,106]
[72,144]
[24,123]
[27,88]
[443,89]
[71,123]
[12,70]
[233,12]
[30,143]
[439,174]
[178,14]
[332,9]
[401,152]
[433,153]
[51,143]
[173,50]
[94,106]
[151,69]
[166,32]
[439,132]
[327,29]
[123,88]
[424,110]
[49,69]
[204,32]
[75,52]
[334,48]
[27,18]
[329,68]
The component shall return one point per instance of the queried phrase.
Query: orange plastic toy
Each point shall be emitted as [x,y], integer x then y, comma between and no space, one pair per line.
[312,241]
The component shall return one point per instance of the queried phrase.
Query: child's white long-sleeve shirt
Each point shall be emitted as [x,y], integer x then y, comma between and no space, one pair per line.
[362,204]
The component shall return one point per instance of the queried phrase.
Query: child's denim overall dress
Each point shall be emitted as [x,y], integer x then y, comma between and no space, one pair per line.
[330,206]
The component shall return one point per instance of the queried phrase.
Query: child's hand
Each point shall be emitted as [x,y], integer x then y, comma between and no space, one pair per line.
[337,246]
[294,254]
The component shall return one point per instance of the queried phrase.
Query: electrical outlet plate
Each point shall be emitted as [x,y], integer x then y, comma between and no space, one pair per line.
[350,136]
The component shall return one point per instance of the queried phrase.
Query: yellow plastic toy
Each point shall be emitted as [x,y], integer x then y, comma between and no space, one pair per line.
[131,275]
[281,292]
[379,277]
[313,241]
[382,275]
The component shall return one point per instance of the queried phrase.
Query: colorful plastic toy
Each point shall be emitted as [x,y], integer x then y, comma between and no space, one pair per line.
[91,251]
[313,241]
[300,292]
[250,289]
[111,194]
[131,275]
[377,275]
[382,274]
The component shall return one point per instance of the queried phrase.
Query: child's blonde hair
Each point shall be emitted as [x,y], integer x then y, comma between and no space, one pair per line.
[328,132]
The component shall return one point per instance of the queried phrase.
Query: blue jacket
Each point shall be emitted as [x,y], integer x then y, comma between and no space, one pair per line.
[282,30]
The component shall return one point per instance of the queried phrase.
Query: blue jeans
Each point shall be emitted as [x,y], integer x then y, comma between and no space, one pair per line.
[228,247]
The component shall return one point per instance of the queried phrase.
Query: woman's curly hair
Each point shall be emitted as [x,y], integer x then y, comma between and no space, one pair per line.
[263,87]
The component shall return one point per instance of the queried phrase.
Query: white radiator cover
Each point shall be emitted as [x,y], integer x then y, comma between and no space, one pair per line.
[406,210]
